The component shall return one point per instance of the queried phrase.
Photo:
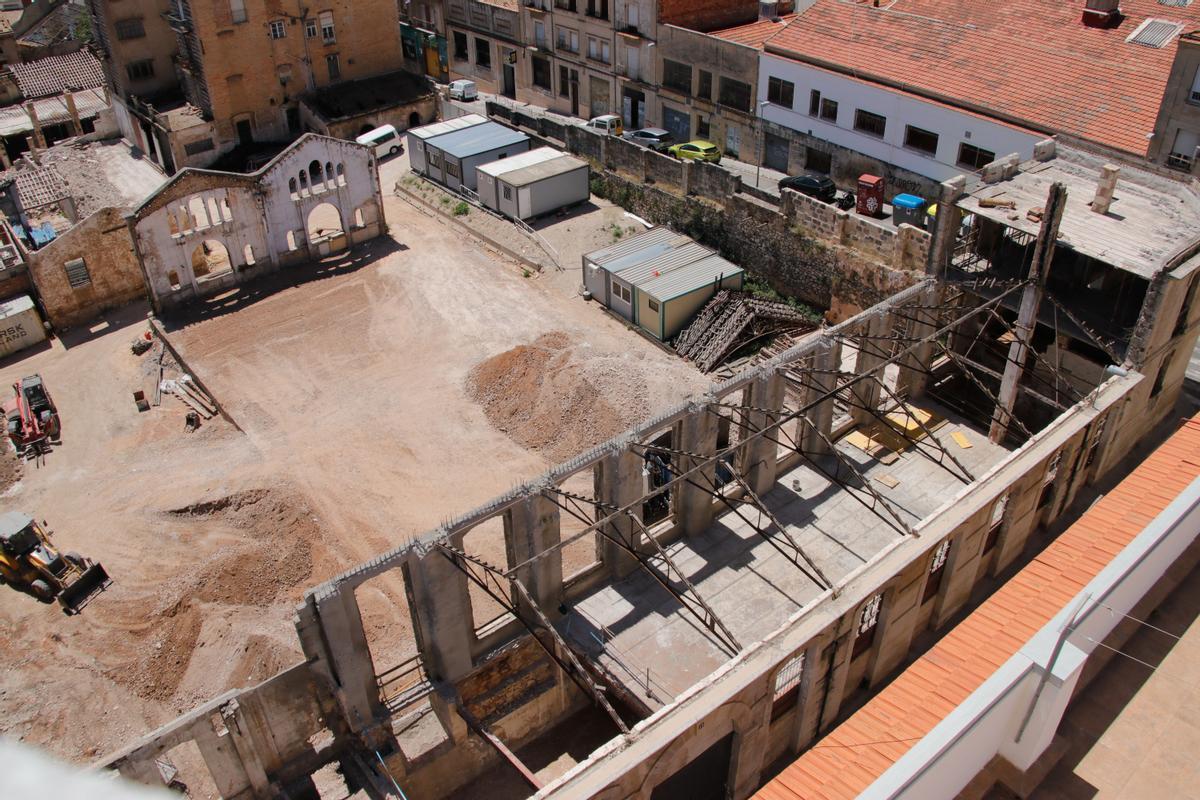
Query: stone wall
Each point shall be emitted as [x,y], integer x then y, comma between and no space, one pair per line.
[103,242]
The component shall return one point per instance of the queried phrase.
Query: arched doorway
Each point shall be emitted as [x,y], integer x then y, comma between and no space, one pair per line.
[324,224]
[210,259]
[365,129]
[414,119]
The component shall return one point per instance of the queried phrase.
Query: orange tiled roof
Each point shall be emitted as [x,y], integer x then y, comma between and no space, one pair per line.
[857,752]
[754,34]
[1027,60]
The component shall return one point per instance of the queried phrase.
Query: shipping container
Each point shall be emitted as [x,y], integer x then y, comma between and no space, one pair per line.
[453,157]
[544,188]
[486,174]
[20,325]
[417,137]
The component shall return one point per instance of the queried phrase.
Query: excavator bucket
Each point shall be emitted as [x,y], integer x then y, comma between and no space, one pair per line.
[78,594]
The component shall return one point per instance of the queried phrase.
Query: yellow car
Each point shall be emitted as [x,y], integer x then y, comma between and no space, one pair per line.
[698,150]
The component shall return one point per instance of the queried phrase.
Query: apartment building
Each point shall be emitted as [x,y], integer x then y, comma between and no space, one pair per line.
[138,46]
[250,72]
[1176,140]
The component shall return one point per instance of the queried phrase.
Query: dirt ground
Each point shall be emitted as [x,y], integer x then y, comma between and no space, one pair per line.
[359,428]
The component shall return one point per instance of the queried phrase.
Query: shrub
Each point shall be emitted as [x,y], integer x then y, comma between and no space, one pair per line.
[462,209]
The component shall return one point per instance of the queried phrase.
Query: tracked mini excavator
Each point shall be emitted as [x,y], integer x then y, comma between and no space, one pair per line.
[30,563]
[31,418]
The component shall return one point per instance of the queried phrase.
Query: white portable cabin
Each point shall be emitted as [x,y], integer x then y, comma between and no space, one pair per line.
[551,183]
[418,136]
[20,325]
[453,157]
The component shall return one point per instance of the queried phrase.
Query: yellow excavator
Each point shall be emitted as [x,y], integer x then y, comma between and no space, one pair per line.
[31,564]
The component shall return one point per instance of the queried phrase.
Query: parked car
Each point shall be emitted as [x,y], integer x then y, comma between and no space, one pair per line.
[606,123]
[657,139]
[384,140]
[463,90]
[818,186]
[697,150]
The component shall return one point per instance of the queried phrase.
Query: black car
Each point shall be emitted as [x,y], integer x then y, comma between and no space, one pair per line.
[818,186]
[654,138]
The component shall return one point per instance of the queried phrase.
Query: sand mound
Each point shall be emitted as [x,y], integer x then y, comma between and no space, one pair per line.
[268,558]
[551,397]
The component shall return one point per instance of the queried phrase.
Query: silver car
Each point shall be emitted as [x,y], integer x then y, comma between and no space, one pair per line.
[657,139]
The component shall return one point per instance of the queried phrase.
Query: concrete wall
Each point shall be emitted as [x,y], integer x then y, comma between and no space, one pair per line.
[102,241]
[261,219]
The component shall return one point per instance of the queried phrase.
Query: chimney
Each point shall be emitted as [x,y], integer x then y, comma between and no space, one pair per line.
[1102,13]
[1105,188]
[768,9]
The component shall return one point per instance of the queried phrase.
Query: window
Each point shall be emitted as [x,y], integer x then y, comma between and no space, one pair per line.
[327,32]
[996,524]
[483,54]
[869,123]
[677,77]
[564,82]
[566,5]
[539,34]
[973,157]
[781,92]
[1185,310]
[77,273]
[130,28]
[787,686]
[814,103]
[621,292]
[818,161]
[599,50]
[597,8]
[829,110]
[735,94]
[541,73]
[868,619]
[460,46]
[140,70]
[334,66]
[937,568]
[653,305]
[1194,95]
[278,31]
[568,40]
[310,28]
[507,192]
[1161,377]
[237,10]
[920,139]
[284,73]
[705,90]
[452,170]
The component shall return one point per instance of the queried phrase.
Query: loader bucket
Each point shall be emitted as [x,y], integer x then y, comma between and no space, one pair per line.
[91,582]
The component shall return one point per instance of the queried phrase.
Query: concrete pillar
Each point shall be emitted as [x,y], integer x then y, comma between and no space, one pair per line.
[350,658]
[912,379]
[697,434]
[762,454]
[686,177]
[240,740]
[441,609]
[533,527]
[872,352]
[445,708]
[38,138]
[143,770]
[750,745]
[76,125]
[222,760]
[945,231]
[620,484]
[821,380]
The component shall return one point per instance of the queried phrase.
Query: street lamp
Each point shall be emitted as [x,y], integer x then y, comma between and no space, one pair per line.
[762,144]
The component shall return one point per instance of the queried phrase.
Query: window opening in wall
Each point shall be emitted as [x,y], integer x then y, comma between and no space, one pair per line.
[226,211]
[334,66]
[814,103]
[653,304]
[291,240]
[1161,377]
[324,222]
[486,542]
[1185,310]
[77,273]
[702,126]
[868,619]
[278,29]
[829,110]
[198,214]
[140,70]
[173,279]
[937,568]
[869,123]
[781,92]
[483,54]
[214,211]
[584,553]
[818,161]
[677,76]
[1094,445]
[787,686]
[920,139]
[460,47]
[132,28]
[735,94]
[541,73]
[507,192]
[303,182]
[341,175]
[657,472]
[359,220]
[248,256]
[329,182]
[705,90]
[996,524]
[310,28]
[1048,480]
[327,31]
[172,223]
[237,10]
[210,259]
[974,158]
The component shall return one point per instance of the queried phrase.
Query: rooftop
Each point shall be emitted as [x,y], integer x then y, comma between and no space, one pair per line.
[754,34]
[857,752]
[548,168]
[54,75]
[1011,60]
[477,139]
[520,161]
[438,128]
[51,111]
[352,98]
[69,22]
[1149,219]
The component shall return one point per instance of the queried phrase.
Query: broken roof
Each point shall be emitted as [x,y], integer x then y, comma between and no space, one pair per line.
[57,74]
[50,111]
[66,23]
[856,753]
[1028,61]
[354,98]
[37,187]
[1150,218]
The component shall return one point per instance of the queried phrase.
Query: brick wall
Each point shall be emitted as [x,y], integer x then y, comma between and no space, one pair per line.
[707,15]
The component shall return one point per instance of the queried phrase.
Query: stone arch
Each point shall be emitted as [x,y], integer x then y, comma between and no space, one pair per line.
[198,212]
[248,256]
[172,223]
[291,240]
[214,212]
[315,173]
[341,174]
[226,209]
[324,222]
[414,119]
[359,220]
[329,179]
[303,182]
[210,259]
[292,187]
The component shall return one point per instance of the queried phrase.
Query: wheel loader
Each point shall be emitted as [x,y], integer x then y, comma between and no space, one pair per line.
[31,564]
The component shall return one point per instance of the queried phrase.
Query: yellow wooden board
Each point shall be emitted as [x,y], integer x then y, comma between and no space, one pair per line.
[887,480]
[962,440]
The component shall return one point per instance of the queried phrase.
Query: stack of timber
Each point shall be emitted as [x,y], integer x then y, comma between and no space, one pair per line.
[730,321]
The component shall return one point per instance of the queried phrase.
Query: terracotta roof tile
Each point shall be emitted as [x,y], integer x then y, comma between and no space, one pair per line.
[57,74]
[862,748]
[754,34]
[1026,60]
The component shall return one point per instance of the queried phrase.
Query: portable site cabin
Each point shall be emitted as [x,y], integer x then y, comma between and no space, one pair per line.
[451,158]
[658,280]
[20,325]
[533,183]
[418,136]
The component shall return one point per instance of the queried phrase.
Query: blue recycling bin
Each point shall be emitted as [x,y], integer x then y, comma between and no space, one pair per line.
[909,208]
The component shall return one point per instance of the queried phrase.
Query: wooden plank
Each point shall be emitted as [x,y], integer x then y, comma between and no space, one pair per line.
[961,439]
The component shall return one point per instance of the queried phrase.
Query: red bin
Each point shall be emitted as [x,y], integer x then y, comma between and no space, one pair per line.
[870,195]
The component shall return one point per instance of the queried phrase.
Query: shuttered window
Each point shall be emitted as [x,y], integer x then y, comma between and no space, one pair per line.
[77,273]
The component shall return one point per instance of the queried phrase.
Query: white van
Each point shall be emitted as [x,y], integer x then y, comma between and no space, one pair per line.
[385,140]
[606,123]
[463,90]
